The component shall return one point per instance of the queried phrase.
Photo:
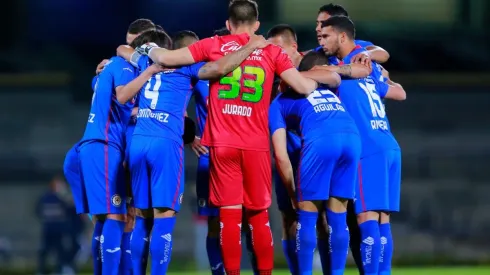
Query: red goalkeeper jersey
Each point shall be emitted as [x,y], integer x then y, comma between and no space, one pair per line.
[239,102]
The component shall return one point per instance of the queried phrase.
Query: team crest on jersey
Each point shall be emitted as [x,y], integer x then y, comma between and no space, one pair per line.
[202,202]
[116,200]
[181,198]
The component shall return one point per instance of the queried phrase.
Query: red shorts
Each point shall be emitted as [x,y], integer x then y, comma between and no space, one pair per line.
[240,177]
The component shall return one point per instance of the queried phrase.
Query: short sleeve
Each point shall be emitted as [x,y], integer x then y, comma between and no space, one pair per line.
[276,120]
[123,73]
[94,82]
[283,62]
[201,49]
[382,88]
[363,43]
[194,70]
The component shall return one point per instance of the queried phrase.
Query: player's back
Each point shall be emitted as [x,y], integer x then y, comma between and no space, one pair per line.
[163,101]
[314,116]
[201,94]
[108,118]
[363,100]
[239,102]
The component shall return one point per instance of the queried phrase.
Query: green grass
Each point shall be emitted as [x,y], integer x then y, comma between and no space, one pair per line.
[397,271]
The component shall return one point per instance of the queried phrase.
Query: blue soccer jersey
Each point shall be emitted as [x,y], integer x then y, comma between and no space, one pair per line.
[319,119]
[378,184]
[363,100]
[201,93]
[156,153]
[101,150]
[108,118]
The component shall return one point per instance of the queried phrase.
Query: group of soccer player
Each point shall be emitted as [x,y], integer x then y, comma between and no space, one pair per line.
[338,165]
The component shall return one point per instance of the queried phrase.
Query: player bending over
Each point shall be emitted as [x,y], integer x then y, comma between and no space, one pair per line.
[324,173]
[156,153]
[378,186]
[284,36]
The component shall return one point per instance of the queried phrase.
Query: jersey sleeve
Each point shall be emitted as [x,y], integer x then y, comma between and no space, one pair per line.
[94,82]
[194,71]
[143,62]
[283,62]
[382,88]
[123,73]
[201,49]
[363,43]
[276,120]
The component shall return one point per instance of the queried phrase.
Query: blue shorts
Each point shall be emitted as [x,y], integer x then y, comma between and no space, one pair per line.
[328,167]
[202,189]
[378,184]
[157,172]
[71,169]
[103,176]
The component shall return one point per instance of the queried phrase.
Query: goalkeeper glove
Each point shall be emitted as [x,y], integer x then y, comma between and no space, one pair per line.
[146,48]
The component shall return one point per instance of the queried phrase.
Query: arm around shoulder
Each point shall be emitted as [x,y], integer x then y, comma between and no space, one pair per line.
[395,91]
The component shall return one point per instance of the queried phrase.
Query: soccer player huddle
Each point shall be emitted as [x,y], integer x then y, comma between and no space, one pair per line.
[338,164]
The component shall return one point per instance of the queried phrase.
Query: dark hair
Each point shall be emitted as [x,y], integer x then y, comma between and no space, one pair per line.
[140,25]
[158,27]
[283,30]
[333,10]
[181,39]
[160,38]
[222,32]
[243,12]
[312,59]
[341,24]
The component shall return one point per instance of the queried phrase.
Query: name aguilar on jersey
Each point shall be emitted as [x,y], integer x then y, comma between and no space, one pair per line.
[232,109]
[325,100]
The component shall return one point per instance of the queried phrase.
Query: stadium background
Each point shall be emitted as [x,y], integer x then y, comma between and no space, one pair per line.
[439,52]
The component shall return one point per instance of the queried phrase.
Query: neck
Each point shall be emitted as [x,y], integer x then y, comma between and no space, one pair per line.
[243,29]
[346,49]
[296,58]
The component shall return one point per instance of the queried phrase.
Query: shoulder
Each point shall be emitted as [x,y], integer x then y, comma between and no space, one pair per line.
[363,43]
[119,63]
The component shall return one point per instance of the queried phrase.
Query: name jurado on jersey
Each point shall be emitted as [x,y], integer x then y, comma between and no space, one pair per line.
[237,110]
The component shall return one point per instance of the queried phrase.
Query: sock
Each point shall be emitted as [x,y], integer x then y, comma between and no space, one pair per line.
[324,251]
[126,264]
[289,250]
[251,254]
[370,247]
[140,245]
[306,241]
[110,246]
[214,256]
[355,239]
[231,239]
[161,244]
[262,242]
[96,256]
[386,254]
[339,241]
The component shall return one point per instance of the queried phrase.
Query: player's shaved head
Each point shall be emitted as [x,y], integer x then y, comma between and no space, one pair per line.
[184,38]
[311,60]
[222,32]
[161,38]
[341,24]
[243,12]
[285,31]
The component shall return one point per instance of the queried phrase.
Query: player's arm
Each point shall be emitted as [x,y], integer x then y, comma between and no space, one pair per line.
[229,62]
[129,54]
[395,91]
[348,71]
[126,92]
[377,54]
[283,163]
[331,79]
